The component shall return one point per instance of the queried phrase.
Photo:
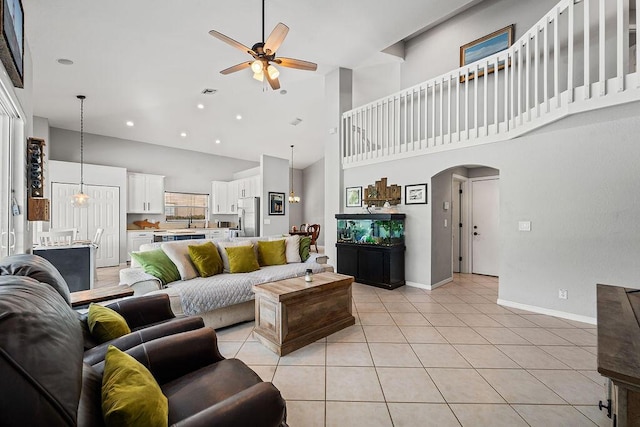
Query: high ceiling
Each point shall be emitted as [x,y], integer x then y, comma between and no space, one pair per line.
[148,61]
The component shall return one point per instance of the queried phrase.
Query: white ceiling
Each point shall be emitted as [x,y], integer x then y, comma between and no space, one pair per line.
[148,61]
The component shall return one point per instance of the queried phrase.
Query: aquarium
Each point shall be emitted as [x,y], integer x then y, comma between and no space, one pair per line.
[371,229]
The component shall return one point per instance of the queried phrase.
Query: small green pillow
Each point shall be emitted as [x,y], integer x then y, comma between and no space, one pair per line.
[130,394]
[272,253]
[106,324]
[242,259]
[206,259]
[305,248]
[158,264]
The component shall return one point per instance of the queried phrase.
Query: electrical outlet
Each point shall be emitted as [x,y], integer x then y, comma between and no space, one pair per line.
[563,294]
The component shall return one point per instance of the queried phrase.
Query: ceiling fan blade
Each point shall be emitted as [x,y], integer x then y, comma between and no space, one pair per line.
[296,63]
[237,67]
[275,83]
[232,42]
[276,38]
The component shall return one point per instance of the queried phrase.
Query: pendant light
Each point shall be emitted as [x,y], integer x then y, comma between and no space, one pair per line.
[292,195]
[80,199]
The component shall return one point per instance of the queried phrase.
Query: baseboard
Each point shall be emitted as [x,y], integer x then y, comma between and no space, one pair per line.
[429,287]
[549,312]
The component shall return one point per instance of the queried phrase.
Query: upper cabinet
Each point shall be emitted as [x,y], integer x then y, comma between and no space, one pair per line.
[225,195]
[219,197]
[145,193]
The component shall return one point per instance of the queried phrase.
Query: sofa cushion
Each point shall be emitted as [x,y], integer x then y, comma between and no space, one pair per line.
[272,253]
[158,264]
[206,259]
[106,324]
[223,253]
[212,384]
[130,394]
[242,259]
[305,248]
[292,247]
[178,252]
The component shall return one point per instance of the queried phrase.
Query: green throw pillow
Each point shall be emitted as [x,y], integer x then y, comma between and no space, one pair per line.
[158,264]
[242,259]
[305,248]
[130,394]
[106,324]
[206,259]
[272,253]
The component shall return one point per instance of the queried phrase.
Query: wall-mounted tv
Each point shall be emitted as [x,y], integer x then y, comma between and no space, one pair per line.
[12,40]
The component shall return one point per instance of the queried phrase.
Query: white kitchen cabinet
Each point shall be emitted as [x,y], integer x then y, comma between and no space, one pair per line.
[219,196]
[137,238]
[232,200]
[217,233]
[145,193]
[248,187]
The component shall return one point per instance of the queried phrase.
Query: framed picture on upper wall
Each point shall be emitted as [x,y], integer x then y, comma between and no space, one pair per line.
[415,194]
[486,46]
[12,40]
[276,203]
[354,197]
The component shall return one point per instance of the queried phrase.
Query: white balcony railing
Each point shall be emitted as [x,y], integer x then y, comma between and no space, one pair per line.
[576,58]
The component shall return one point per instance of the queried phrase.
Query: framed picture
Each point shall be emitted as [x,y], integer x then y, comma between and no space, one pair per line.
[354,197]
[486,46]
[415,194]
[276,203]
[12,40]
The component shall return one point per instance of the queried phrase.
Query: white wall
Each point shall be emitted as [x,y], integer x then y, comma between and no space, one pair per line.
[67,172]
[296,210]
[575,180]
[313,203]
[275,179]
[186,171]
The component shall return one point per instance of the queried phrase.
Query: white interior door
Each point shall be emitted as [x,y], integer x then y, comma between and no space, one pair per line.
[456,230]
[485,222]
[102,212]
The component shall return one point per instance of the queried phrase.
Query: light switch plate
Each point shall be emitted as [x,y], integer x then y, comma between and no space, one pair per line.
[524,226]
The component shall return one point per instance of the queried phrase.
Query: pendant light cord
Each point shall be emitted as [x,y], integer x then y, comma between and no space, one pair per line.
[262,21]
[292,170]
[81,144]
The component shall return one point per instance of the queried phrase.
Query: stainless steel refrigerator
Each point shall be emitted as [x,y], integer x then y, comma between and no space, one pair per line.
[249,217]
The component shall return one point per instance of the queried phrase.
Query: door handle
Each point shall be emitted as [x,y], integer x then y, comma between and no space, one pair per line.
[476,233]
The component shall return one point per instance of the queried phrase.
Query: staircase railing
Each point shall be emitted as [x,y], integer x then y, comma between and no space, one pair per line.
[576,58]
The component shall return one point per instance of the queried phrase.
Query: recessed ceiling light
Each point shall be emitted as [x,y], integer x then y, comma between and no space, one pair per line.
[283,92]
[217,141]
[65,61]
[200,106]
[183,134]
[238,117]
[130,123]
[296,121]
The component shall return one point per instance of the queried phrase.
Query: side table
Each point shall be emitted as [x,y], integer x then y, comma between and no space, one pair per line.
[81,298]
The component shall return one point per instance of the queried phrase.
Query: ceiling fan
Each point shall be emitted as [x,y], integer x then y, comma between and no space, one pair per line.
[264,55]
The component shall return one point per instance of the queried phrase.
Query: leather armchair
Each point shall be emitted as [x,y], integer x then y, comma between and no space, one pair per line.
[45,382]
[148,317]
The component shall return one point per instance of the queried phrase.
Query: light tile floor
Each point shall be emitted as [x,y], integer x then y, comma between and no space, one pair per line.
[447,357]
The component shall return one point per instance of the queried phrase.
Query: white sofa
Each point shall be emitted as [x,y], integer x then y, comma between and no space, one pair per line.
[223,299]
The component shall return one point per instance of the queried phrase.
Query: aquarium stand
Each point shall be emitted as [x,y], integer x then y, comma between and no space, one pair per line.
[376,261]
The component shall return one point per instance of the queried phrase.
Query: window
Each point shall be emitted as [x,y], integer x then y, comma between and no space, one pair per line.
[186,206]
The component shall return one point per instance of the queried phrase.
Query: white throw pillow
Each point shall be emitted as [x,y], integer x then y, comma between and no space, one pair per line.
[292,248]
[223,252]
[178,252]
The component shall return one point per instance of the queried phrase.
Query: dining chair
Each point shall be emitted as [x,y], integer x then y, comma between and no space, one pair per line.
[97,237]
[314,229]
[56,238]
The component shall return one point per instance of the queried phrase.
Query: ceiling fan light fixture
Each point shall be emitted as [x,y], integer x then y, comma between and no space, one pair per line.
[256,66]
[273,72]
[259,76]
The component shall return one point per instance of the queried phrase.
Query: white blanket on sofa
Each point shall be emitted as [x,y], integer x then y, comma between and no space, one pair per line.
[204,294]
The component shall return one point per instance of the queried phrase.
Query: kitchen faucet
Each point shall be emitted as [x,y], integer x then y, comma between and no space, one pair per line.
[190,221]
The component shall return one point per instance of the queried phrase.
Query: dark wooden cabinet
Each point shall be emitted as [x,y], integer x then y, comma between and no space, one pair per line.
[381,266]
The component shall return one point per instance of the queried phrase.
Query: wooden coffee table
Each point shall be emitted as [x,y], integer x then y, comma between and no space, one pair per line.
[81,298]
[292,313]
